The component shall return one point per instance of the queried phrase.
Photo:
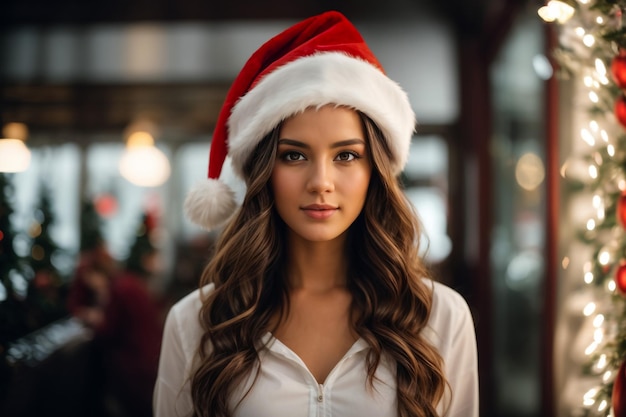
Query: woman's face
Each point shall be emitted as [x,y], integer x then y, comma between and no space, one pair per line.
[322,172]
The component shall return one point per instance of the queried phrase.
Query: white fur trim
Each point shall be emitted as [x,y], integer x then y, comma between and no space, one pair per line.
[229,177]
[313,81]
[210,203]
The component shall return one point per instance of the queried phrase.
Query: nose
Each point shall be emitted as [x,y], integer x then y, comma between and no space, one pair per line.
[320,178]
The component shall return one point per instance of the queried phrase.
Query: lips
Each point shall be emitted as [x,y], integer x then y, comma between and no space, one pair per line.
[319,211]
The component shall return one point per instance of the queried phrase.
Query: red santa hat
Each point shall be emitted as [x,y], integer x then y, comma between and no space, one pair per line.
[321,60]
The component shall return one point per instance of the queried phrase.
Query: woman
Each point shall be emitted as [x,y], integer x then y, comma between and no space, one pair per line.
[316,302]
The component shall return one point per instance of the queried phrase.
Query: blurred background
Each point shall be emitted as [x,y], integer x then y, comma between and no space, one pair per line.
[111,106]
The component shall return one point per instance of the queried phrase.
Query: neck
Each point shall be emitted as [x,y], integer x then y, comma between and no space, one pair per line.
[317,266]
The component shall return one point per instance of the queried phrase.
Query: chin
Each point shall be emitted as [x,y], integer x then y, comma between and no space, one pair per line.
[317,235]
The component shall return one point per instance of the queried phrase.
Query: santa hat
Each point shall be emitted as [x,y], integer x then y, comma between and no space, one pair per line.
[321,60]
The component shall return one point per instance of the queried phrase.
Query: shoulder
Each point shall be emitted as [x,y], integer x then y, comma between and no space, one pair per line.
[190,304]
[450,317]
[447,303]
[181,337]
[451,331]
[183,320]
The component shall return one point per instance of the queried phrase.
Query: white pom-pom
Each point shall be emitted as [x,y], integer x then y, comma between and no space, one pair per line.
[210,203]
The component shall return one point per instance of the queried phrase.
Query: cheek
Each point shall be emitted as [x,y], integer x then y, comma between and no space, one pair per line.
[281,183]
[358,184]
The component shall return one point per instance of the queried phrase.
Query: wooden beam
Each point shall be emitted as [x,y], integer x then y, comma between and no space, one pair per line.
[190,108]
[44,12]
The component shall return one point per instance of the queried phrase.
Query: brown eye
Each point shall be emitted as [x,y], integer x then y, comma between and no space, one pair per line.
[292,156]
[346,156]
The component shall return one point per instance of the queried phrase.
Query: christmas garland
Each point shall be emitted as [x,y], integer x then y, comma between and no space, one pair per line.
[592,51]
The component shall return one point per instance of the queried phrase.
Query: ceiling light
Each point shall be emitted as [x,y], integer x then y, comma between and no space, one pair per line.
[14,155]
[142,163]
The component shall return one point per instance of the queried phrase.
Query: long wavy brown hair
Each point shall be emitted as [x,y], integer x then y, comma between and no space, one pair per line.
[391,303]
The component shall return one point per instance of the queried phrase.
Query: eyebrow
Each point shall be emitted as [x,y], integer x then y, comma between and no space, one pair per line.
[339,144]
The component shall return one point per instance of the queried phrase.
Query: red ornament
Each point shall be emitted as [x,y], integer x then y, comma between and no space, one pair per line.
[618,69]
[620,109]
[621,210]
[620,278]
[618,397]
[105,205]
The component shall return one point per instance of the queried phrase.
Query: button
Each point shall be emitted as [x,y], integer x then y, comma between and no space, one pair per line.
[320,398]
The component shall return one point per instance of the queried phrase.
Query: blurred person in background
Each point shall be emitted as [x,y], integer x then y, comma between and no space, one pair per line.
[89,289]
[130,331]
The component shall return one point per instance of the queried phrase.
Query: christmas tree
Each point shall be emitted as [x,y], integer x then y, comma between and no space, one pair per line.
[46,297]
[12,281]
[592,56]
[90,227]
[143,245]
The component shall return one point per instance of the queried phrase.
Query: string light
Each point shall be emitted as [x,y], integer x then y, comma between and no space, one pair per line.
[556,11]
[589,397]
[591,348]
[589,40]
[596,201]
[610,285]
[604,257]
[589,309]
[598,335]
[598,320]
[587,137]
[591,224]
[600,67]
[604,80]
[604,136]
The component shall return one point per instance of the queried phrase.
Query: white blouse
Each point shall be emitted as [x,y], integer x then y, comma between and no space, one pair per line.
[285,387]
